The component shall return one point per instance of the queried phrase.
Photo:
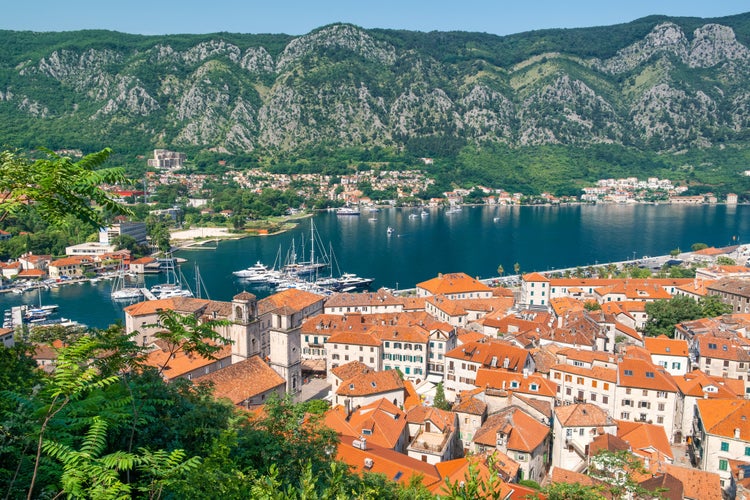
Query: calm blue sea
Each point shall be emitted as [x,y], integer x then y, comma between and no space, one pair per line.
[475,240]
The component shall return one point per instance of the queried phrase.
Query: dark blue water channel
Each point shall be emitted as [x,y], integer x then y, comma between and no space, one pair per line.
[475,241]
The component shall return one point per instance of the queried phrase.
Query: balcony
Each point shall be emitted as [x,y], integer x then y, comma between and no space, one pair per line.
[430,442]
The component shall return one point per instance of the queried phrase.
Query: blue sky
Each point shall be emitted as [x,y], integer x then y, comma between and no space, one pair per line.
[296,17]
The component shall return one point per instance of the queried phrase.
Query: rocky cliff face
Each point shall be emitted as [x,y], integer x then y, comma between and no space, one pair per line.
[345,86]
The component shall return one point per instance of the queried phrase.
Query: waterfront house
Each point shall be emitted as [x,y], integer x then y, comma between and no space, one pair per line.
[74,266]
[454,286]
[535,290]
[380,302]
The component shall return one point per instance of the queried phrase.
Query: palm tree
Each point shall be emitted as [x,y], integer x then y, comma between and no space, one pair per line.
[500,270]
[517,268]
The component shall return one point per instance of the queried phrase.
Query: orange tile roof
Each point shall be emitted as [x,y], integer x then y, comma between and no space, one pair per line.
[467,337]
[595,372]
[379,298]
[179,304]
[491,352]
[535,277]
[495,378]
[525,433]
[414,334]
[354,339]
[350,370]
[642,436]
[695,482]
[457,470]
[642,374]
[665,346]
[562,305]
[470,405]
[382,419]
[451,283]
[722,416]
[181,362]
[582,415]
[371,383]
[711,346]
[710,251]
[244,380]
[443,420]
[393,465]
[291,298]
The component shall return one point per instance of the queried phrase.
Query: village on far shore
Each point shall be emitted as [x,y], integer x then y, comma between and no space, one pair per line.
[541,376]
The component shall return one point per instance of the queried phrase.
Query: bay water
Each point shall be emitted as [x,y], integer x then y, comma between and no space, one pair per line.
[475,240]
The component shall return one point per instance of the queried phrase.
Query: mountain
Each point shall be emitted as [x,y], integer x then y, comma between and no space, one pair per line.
[657,84]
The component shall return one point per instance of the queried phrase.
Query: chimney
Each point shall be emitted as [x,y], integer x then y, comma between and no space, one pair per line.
[736,433]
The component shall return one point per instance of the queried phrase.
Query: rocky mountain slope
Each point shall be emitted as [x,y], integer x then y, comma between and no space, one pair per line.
[657,84]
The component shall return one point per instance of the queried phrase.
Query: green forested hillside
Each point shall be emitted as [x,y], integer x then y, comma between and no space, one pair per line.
[538,110]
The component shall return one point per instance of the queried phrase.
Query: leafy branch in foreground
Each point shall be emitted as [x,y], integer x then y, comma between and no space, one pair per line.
[58,187]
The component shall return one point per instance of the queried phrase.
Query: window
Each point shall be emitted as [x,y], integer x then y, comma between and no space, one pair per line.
[514,385]
[605,399]
[624,415]
[724,446]
[711,346]
[579,380]
[557,375]
[659,419]
[628,373]
[628,390]
[676,365]
[661,394]
[723,465]
[593,396]
[606,386]
[568,378]
[661,406]
[747,451]
[649,374]
[593,383]
[534,387]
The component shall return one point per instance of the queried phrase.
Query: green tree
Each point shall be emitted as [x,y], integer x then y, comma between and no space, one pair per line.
[675,252]
[698,246]
[663,315]
[189,334]
[723,260]
[440,402]
[712,306]
[500,270]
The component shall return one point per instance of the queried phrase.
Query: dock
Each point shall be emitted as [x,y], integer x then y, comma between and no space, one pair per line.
[147,293]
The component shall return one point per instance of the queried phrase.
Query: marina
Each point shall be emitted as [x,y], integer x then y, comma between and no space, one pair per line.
[537,238]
